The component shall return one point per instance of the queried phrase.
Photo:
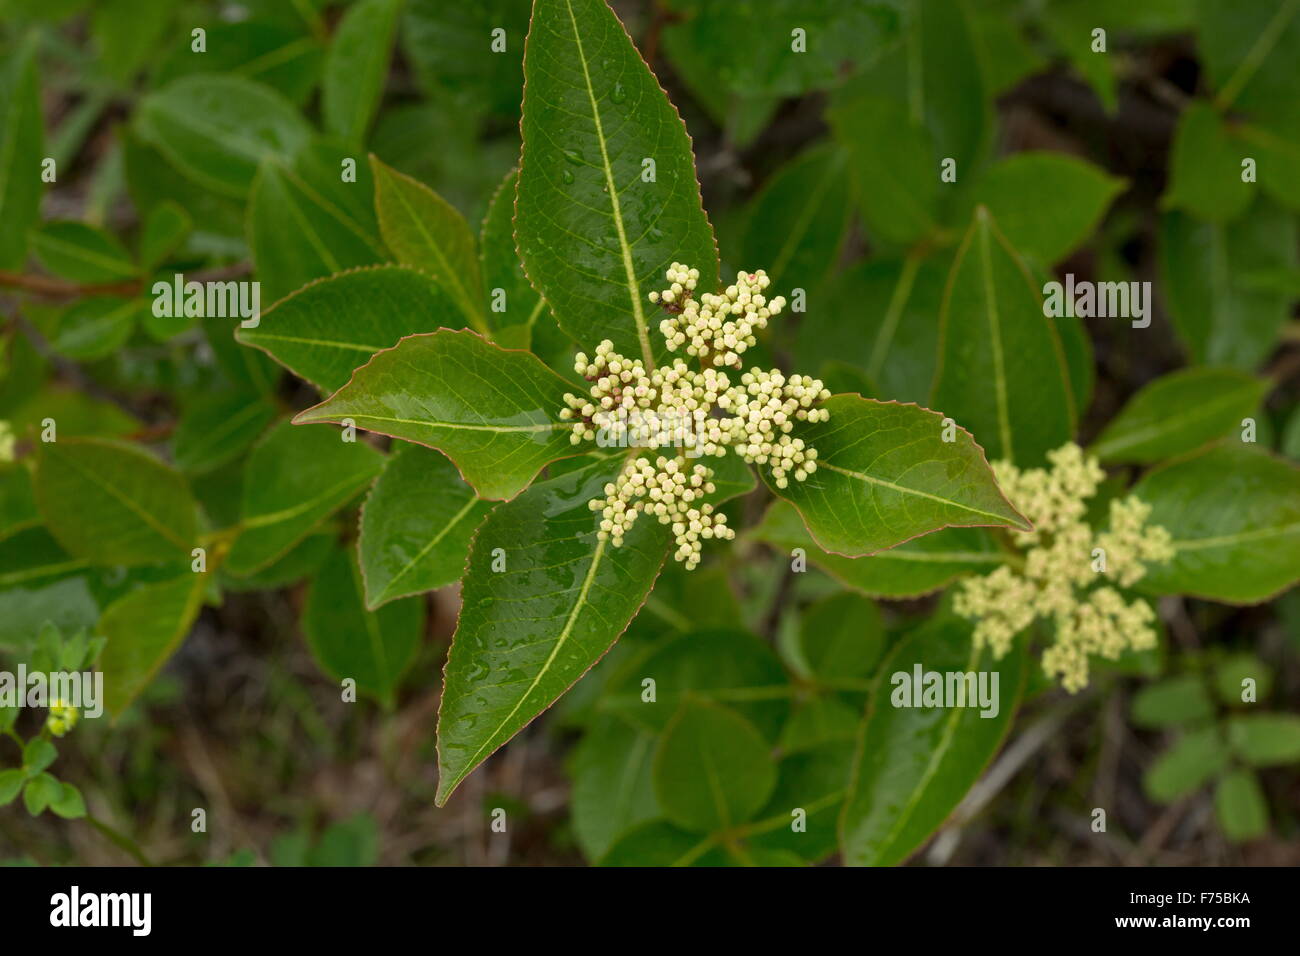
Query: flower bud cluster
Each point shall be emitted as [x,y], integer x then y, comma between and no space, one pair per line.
[1063,559]
[715,328]
[698,411]
[763,410]
[670,493]
[619,385]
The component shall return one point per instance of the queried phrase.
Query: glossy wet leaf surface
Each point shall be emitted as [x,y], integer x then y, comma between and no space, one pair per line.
[492,411]
[914,764]
[528,632]
[885,475]
[327,329]
[595,236]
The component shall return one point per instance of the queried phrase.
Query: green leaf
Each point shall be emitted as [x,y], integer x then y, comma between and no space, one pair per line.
[285,58]
[1006,54]
[40,583]
[1248,52]
[797,223]
[82,253]
[374,648]
[595,236]
[1232,673]
[725,665]
[38,754]
[96,327]
[660,843]
[352,842]
[416,526]
[152,179]
[1234,515]
[491,411]
[1070,26]
[40,792]
[893,167]
[502,268]
[885,475]
[1002,371]
[741,115]
[1193,761]
[449,45]
[814,781]
[1046,204]
[426,232]
[17,503]
[712,770]
[303,560]
[165,227]
[936,72]
[1171,702]
[331,327]
[11,782]
[1240,806]
[1265,740]
[613,788]
[1218,314]
[1178,413]
[333,225]
[915,763]
[69,804]
[216,130]
[217,427]
[112,503]
[894,337]
[908,570]
[706,591]
[842,637]
[1205,168]
[1275,145]
[129,33]
[75,413]
[295,479]
[21,150]
[356,68]
[528,632]
[144,628]
[822,718]
[751,44]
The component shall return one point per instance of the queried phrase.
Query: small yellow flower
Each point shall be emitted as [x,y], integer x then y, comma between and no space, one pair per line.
[62,717]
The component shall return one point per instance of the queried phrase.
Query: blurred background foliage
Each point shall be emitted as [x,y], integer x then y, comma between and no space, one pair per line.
[1122,165]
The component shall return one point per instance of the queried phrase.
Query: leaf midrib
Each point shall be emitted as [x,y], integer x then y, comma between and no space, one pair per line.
[932,765]
[1171,423]
[387,593]
[565,633]
[450,275]
[995,342]
[502,429]
[870,479]
[1240,537]
[146,517]
[634,289]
